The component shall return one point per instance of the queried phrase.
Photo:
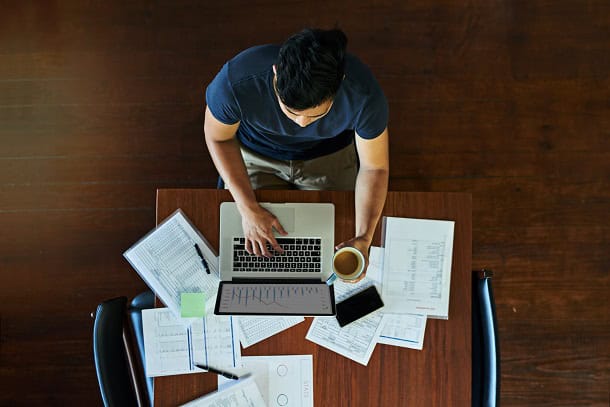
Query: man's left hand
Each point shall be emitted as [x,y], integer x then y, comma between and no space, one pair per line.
[362,245]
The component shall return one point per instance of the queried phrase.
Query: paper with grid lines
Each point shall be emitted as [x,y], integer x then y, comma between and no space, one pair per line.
[168,262]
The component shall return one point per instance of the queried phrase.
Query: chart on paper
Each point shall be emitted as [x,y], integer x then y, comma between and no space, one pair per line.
[274,298]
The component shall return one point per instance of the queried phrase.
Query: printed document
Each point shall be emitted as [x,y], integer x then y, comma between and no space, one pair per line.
[285,380]
[254,329]
[243,393]
[417,266]
[168,261]
[355,341]
[404,330]
[173,347]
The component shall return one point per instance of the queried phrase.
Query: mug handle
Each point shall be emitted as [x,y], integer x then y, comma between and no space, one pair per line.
[331,279]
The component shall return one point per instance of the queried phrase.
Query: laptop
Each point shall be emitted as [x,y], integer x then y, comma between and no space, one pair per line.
[291,283]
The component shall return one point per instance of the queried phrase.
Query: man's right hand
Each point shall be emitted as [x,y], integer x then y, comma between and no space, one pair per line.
[258,224]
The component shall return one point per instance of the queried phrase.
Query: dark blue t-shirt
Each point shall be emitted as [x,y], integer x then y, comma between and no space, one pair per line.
[243,92]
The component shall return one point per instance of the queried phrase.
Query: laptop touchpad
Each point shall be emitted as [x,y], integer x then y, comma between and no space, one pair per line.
[285,216]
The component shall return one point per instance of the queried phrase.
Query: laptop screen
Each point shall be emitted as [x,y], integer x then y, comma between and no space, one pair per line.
[275,298]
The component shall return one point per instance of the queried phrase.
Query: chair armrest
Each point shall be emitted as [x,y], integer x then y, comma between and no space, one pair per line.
[145,300]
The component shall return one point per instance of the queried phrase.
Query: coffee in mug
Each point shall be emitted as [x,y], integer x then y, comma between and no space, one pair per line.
[348,263]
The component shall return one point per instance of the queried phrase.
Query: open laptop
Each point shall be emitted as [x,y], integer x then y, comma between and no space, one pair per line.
[291,283]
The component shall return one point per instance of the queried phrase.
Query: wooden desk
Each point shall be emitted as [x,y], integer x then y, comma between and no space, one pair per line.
[439,375]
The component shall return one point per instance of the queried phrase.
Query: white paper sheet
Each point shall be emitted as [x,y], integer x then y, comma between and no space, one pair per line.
[404,330]
[285,380]
[253,329]
[243,393]
[417,266]
[355,341]
[167,261]
[173,347]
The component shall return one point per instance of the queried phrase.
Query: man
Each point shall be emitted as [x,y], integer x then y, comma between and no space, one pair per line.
[288,117]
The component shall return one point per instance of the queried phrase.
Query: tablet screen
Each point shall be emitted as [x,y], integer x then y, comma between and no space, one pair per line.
[303,299]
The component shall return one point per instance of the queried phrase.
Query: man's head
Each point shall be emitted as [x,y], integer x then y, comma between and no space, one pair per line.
[309,71]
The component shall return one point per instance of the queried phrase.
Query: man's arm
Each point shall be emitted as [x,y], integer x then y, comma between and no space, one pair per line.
[371,188]
[224,149]
[257,222]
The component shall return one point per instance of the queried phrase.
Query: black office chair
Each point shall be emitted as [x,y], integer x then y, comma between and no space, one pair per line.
[120,367]
[485,342]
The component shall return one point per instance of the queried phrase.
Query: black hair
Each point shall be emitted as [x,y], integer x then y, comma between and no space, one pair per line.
[310,67]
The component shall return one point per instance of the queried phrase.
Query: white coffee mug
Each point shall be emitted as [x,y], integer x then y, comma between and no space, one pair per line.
[348,265]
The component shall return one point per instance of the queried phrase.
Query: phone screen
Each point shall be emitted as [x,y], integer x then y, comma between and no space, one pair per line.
[358,305]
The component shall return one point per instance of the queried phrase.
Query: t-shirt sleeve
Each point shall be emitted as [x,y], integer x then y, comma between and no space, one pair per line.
[373,117]
[221,100]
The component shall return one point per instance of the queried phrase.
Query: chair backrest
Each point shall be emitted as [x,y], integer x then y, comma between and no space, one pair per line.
[485,342]
[111,363]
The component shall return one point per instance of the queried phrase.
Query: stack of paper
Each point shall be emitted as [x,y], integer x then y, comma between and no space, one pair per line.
[357,340]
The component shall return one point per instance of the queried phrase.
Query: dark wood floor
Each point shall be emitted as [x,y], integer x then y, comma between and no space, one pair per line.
[101,103]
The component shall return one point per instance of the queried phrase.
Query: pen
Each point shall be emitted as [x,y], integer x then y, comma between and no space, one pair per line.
[205,263]
[220,372]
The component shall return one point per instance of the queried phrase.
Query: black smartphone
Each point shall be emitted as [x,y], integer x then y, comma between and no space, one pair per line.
[358,305]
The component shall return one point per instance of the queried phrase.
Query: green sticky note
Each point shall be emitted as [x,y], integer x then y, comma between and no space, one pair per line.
[192,305]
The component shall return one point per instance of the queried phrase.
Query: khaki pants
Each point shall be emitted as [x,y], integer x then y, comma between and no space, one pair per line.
[335,171]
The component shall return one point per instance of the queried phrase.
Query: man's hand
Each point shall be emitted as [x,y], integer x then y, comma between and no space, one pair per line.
[258,224]
[361,244]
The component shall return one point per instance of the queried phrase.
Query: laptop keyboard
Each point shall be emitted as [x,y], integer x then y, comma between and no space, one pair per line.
[300,255]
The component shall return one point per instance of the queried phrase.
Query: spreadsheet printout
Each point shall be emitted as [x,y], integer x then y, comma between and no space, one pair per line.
[173,347]
[355,341]
[256,329]
[417,266]
[404,330]
[243,393]
[168,262]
